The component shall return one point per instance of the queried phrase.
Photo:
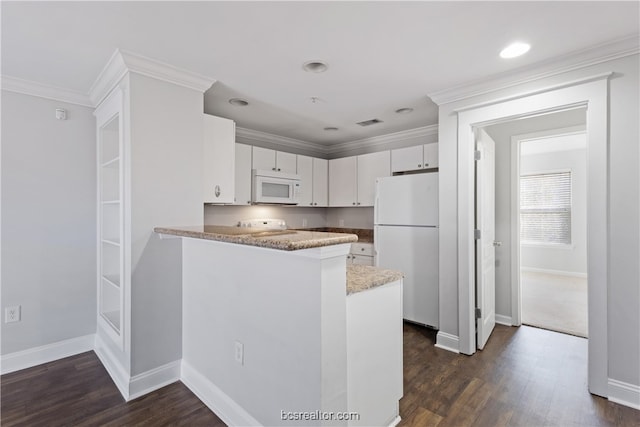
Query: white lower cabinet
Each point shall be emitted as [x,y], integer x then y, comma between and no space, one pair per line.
[361,253]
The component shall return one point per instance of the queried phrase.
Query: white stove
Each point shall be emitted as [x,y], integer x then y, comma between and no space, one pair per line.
[271,224]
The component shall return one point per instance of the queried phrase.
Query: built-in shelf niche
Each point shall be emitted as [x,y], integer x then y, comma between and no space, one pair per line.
[110,211]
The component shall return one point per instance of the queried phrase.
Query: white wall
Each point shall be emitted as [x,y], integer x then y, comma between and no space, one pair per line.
[294,216]
[48,221]
[624,245]
[573,258]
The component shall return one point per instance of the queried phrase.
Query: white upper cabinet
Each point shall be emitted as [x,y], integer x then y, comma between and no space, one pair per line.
[343,181]
[407,159]
[272,160]
[305,170]
[430,155]
[352,180]
[219,159]
[370,167]
[243,175]
[414,158]
[320,182]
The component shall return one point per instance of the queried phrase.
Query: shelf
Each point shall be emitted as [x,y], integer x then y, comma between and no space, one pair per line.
[113,319]
[113,163]
[113,242]
[112,279]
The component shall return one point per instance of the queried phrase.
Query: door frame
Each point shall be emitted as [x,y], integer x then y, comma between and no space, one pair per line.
[593,93]
[516,140]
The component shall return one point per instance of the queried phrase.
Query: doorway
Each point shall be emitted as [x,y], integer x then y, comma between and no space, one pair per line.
[549,211]
[591,93]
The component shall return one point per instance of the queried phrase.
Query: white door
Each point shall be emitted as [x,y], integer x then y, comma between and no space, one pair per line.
[414,252]
[485,250]
[305,170]
[370,167]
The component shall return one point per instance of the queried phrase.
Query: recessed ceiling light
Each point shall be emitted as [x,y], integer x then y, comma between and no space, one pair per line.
[238,102]
[514,50]
[331,128]
[404,110]
[315,66]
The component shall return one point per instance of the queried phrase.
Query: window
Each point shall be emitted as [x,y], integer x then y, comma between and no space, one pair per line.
[545,208]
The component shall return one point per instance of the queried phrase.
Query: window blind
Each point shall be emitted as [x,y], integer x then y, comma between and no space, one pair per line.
[545,208]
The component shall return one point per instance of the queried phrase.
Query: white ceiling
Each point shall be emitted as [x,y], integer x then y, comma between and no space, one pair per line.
[382,55]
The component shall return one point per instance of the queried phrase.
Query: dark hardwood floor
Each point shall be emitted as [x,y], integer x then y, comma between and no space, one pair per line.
[524,377]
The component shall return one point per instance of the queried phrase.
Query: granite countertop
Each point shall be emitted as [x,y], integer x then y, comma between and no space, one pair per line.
[363,277]
[286,240]
[365,235]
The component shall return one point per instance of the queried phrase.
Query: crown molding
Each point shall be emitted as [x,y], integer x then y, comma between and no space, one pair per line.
[384,139]
[576,60]
[122,62]
[250,136]
[28,87]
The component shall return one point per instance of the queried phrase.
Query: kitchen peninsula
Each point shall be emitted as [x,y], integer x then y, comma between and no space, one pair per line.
[277,329]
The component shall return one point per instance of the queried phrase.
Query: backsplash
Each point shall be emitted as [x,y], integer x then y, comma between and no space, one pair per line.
[296,217]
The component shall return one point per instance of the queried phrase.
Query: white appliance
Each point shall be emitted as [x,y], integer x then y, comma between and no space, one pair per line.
[271,224]
[275,187]
[406,239]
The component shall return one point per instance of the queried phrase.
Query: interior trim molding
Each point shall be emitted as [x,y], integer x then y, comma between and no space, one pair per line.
[376,141]
[250,137]
[608,51]
[152,380]
[115,370]
[215,399]
[123,61]
[504,320]
[28,87]
[46,353]
[448,342]
[624,393]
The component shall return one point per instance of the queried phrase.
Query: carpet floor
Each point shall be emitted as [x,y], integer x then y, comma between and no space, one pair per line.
[557,303]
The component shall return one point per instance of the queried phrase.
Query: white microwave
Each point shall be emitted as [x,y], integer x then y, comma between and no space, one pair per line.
[275,187]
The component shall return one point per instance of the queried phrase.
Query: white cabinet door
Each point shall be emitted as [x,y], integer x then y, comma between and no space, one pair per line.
[362,260]
[264,159]
[219,159]
[285,162]
[305,170]
[243,175]
[320,182]
[342,181]
[431,155]
[406,159]
[370,167]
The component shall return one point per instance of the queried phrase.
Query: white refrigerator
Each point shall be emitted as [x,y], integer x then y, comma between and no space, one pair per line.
[406,239]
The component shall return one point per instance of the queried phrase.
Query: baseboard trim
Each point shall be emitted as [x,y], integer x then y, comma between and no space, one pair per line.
[624,393]
[448,342]
[555,272]
[152,380]
[115,370]
[504,320]
[395,421]
[47,353]
[219,402]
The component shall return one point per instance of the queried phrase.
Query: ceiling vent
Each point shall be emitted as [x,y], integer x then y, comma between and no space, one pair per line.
[369,122]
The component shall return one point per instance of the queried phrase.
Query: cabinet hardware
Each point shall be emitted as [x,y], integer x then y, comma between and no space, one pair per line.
[353,203]
[420,166]
[278,169]
[217,191]
[426,165]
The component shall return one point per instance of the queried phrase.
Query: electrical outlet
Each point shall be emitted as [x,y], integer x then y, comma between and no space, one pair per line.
[239,352]
[304,222]
[341,223]
[12,314]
